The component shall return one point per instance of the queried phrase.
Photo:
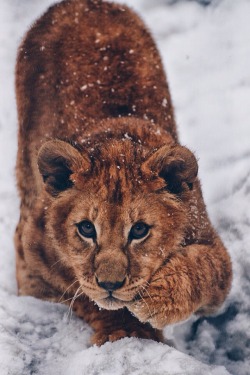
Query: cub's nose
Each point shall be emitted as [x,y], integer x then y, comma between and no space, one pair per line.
[109,286]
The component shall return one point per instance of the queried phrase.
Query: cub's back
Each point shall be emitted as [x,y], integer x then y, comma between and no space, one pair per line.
[85,60]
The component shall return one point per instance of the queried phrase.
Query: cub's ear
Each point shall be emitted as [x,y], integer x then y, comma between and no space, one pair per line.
[57,160]
[177,165]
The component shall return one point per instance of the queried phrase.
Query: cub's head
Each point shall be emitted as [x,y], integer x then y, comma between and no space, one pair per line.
[115,212]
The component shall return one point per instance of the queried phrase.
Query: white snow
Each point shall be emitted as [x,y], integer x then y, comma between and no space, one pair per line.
[206,52]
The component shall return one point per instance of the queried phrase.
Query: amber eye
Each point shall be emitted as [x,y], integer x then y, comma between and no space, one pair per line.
[138,231]
[86,229]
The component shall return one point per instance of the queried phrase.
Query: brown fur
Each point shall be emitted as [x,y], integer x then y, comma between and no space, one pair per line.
[98,142]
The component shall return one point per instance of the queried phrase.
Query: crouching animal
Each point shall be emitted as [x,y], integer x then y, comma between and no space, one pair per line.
[112,214]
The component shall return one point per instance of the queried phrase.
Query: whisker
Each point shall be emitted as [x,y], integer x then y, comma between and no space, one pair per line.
[69,314]
[67,290]
[146,291]
[66,300]
[145,303]
[72,302]
[59,260]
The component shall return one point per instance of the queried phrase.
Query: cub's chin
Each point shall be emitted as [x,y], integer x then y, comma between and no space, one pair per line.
[111,303]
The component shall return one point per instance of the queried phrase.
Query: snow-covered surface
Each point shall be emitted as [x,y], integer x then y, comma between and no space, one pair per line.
[206,51]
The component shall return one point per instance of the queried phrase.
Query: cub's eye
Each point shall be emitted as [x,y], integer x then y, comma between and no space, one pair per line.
[138,231]
[86,229]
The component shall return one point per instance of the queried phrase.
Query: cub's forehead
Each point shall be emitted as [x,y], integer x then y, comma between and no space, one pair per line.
[116,195]
[124,152]
[115,173]
[99,209]
[116,184]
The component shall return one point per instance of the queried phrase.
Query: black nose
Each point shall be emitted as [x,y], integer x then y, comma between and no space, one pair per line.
[109,286]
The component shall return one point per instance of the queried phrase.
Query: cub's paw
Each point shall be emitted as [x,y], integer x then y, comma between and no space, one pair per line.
[161,304]
[147,312]
[161,307]
[99,338]
[144,331]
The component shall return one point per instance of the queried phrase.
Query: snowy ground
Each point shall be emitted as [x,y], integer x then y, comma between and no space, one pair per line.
[206,51]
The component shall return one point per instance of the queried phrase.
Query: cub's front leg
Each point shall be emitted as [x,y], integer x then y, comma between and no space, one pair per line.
[197,279]
[109,325]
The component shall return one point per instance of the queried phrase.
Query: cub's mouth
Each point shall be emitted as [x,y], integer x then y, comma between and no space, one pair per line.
[111,303]
[109,299]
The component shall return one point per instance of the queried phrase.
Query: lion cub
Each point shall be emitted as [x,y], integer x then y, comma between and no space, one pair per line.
[112,214]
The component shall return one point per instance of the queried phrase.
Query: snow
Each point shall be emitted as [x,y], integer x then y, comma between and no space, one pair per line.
[36,339]
[206,52]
